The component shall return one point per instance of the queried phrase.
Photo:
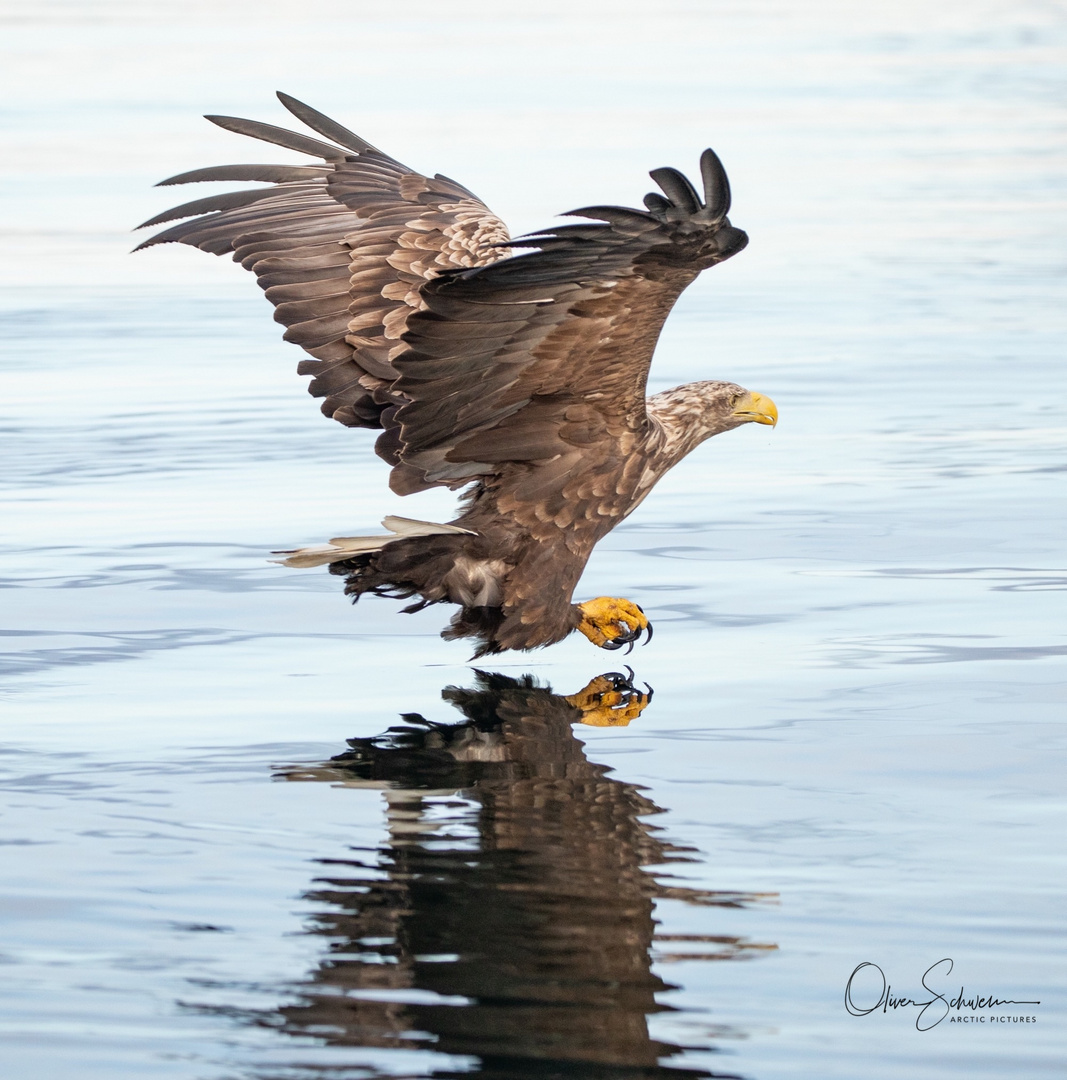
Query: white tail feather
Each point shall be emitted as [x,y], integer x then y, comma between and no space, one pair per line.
[345,547]
[403,526]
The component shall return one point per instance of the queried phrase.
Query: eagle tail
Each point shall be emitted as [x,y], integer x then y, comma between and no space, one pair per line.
[342,548]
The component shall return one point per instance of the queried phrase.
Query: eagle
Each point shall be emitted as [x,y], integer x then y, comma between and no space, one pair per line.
[513,368]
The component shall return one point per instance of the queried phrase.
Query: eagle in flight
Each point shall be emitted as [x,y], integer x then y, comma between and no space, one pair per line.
[517,374]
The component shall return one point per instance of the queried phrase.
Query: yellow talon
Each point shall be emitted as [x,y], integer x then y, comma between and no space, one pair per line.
[603,690]
[612,623]
[610,700]
[614,717]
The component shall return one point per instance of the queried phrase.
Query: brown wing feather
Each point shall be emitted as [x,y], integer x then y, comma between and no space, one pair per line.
[341,249]
[530,358]
[525,373]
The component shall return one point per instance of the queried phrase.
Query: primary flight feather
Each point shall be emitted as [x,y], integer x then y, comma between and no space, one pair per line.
[518,374]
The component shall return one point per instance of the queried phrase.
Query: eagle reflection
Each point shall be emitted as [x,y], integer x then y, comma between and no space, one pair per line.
[507,916]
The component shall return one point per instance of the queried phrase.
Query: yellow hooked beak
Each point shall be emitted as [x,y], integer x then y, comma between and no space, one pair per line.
[757,408]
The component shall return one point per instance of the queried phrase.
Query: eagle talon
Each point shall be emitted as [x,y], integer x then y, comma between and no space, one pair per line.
[611,623]
[629,637]
[610,700]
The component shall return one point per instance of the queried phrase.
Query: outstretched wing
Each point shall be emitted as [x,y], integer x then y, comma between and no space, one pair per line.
[341,248]
[399,287]
[534,357]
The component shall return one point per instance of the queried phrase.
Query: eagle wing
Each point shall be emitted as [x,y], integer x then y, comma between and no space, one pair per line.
[420,321]
[532,357]
[340,247]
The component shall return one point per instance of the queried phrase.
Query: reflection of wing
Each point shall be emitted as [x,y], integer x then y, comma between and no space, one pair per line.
[395,283]
[341,248]
[514,875]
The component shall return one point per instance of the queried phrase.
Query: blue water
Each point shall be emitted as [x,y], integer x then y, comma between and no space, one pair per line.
[855,749]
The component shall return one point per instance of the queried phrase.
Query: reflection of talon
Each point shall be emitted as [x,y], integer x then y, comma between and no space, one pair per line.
[612,623]
[610,700]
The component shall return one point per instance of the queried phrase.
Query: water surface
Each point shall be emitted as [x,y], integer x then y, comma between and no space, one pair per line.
[218,864]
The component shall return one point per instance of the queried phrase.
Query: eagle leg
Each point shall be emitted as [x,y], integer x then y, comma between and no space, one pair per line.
[610,700]
[611,623]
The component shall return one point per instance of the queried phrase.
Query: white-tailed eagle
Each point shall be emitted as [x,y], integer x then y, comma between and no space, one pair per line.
[520,377]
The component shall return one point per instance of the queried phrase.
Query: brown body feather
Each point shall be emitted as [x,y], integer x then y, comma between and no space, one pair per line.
[521,376]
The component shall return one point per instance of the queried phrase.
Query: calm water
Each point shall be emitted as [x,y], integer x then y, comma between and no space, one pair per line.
[217,865]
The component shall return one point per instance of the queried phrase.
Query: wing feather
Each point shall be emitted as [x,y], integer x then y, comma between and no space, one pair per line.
[230,201]
[679,191]
[273,174]
[524,371]
[279,136]
[340,247]
[324,125]
[500,355]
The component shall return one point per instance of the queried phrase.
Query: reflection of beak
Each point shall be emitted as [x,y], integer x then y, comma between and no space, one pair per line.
[757,408]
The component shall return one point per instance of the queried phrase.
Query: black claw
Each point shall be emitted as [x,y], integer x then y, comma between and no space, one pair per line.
[626,637]
[620,681]
[649,638]
[649,690]
[630,635]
